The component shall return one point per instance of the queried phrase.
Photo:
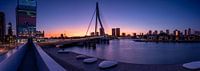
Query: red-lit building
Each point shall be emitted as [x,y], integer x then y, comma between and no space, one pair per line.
[26,18]
[113,32]
[118,32]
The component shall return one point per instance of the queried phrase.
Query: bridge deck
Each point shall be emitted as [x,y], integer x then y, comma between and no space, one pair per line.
[29,62]
[69,41]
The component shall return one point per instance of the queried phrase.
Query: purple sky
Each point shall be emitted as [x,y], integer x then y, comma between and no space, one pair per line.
[72,16]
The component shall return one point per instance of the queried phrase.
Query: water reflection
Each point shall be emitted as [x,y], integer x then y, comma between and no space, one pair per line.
[144,53]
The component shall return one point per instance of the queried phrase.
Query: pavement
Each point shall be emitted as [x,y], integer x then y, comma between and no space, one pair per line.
[29,62]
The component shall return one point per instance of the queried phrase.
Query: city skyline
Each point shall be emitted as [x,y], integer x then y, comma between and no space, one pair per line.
[98,35]
[72,17]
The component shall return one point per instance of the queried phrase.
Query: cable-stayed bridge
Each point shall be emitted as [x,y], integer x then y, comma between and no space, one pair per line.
[31,57]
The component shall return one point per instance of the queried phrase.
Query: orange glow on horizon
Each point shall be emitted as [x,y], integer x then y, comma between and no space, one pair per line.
[57,34]
[80,30]
[76,32]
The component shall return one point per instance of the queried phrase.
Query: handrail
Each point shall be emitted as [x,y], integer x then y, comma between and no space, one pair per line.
[50,63]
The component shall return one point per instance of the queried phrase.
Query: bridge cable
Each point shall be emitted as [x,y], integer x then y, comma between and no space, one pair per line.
[90,23]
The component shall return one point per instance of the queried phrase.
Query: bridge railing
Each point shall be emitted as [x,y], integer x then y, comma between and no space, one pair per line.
[45,62]
[13,59]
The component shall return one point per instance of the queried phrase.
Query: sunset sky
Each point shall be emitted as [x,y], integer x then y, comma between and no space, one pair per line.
[73,16]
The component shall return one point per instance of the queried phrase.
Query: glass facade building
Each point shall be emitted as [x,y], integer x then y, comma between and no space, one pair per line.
[26,18]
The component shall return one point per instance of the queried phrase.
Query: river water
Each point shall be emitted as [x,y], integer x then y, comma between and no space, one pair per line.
[129,51]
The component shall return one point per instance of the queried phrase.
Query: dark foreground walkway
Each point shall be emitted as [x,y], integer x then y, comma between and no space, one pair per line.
[29,60]
[69,61]
[30,57]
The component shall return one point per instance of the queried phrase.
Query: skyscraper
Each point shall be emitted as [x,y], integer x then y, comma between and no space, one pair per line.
[155,32]
[189,31]
[189,34]
[10,31]
[118,32]
[2,26]
[150,32]
[167,32]
[186,33]
[177,34]
[113,32]
[161,32]
[26,18]
[101,30]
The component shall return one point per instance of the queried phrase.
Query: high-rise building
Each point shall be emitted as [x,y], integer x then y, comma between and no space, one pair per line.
[10,31]
[2,26]
[101,30]
[26,18]
[92,34]
[155,32]
[161,32]
[167,32]
[40,34]
[118,32]
[186,33]
[113,32]
[177,34]
[189,31]
[123,34]
[174,32]
[134,34]
[150,32]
